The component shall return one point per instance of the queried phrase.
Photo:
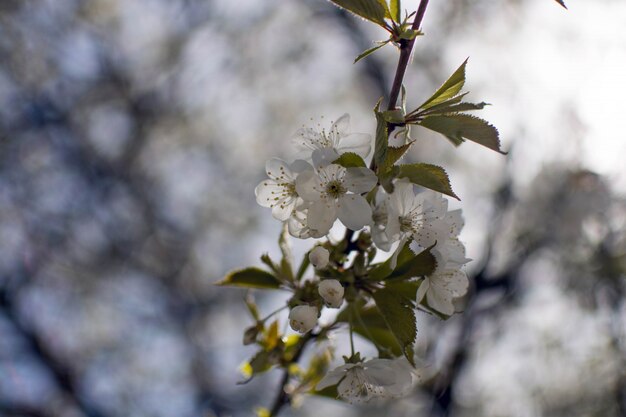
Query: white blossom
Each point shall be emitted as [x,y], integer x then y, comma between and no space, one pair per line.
[303,318]
[335,192]
[319,257]
[323,147]
[360,382]
[449,280]
[404,214]
[279,191]
[332,292]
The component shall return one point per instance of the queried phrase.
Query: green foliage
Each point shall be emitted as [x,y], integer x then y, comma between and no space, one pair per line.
[458,127]
[369,323]
[394,153]
[449,89]
[395,10]
[350,160]
[385,269]
[372,10]
[398,311]
[250,278]
[420,265]
[382,136]
[429,176]
[370,51]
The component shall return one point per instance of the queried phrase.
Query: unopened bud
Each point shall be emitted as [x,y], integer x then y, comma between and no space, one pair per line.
[332,292]
[303,318]
[319,257]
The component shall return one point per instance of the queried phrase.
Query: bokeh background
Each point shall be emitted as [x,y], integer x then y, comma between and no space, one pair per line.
[132,135]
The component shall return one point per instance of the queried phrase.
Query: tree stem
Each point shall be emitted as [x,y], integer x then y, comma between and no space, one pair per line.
[406,46]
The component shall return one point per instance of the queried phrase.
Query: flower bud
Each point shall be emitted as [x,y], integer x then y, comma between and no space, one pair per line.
[319,257]
[332,292]
[303,318]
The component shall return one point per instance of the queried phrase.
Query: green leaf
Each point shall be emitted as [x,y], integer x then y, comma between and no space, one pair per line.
[369,51]
[399,314]
[383,270]
[449,89]
[396,11]
[385,177]
[561,2]
[372,326]
[250,278]
[382,137]
[429,176]
[420,265]
[457,127]
[371,10]
[394,153]
[350,160]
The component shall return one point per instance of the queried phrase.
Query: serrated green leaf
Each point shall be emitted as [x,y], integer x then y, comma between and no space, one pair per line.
[396,11]
[350,160]
[429,176]
[454,108]
[371,10]
[457,127]
[399,314]
[382,137]
[372,326]
[420,265]
[394,153]
[449,89]
[370,51]
[250,278]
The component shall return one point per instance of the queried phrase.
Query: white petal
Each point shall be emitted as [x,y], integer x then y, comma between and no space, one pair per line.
[403,197]
[342,125]
[323,157]
[321,217]
[422,290]
[282,211]
[307,138]
[309,186]
[299,166]
[278,170]
[456,221]
[268,192]
[333,377]
[380,372]
[360,180]
[359,143]
[440,300]
[354,212]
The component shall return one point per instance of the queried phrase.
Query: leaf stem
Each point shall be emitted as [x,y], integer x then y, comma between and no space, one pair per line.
[351,332]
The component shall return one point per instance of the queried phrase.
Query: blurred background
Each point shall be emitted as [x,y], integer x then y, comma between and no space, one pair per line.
[132,135]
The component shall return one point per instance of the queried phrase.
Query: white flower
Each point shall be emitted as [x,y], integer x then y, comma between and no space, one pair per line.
[331,291]
[303,318]
[440,289]
[404,214]
[319,257]
[327,189]
[324,147]
[279,191]
[360,382]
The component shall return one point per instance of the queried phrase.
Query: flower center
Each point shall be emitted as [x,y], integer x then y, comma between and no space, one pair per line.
[335,189]
[406,223]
